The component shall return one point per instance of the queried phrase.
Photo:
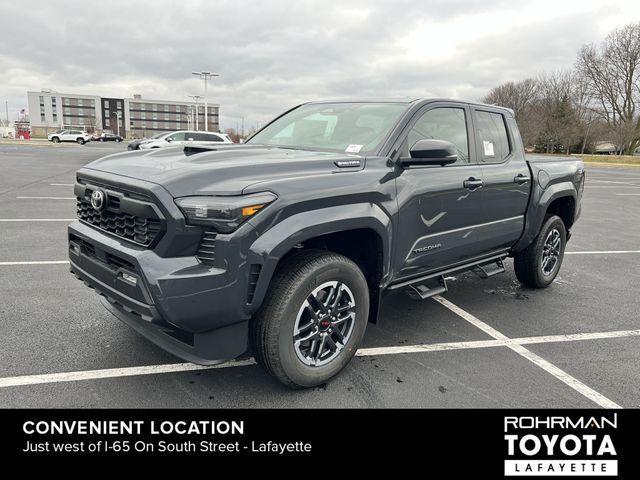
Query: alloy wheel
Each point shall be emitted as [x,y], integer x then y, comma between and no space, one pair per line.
[551,252]
[324,323]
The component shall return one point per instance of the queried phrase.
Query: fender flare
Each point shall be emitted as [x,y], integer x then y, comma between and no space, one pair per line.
[537,210]
[274,243]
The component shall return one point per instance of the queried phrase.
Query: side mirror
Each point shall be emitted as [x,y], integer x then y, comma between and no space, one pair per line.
[169,140]
[429,151]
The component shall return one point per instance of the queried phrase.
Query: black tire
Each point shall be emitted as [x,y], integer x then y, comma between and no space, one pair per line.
[55,140]
[80,141]
[273,326]
[529,263]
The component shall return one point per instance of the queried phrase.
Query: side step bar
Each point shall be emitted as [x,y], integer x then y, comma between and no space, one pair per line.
[490,269]
[429,285]
[422,291]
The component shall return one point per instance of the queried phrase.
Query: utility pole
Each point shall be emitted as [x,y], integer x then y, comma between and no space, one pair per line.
[205,76]
[6,109]
[196,98]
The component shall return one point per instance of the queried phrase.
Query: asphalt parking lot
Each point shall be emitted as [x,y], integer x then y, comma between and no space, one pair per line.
[486,343]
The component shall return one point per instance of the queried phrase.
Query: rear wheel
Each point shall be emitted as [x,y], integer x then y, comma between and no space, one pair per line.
[538,265]
[313,319]
[80,141]
[55,140]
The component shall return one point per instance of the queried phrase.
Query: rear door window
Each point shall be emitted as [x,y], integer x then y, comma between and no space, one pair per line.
[493,140]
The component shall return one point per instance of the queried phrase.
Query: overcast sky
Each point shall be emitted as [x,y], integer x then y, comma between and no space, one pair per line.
[274,54]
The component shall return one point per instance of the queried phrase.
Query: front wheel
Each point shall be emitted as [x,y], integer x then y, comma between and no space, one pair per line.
[313,319]
[55,140]
[538,265]
[80,141]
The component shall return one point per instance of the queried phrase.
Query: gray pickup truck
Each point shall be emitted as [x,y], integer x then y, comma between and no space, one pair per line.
[283,247]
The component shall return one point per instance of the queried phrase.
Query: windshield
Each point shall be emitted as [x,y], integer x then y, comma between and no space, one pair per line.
[340,127]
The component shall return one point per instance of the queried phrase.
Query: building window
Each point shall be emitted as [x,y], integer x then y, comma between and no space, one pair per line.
[65,101]
[67,111]
[155,107]
[155,124]
[177,125]
[107,122]
[106,113]
[93,103]
[106,104]
[80,104]
[143,115]
[166,116]
[166,108]
[119,103]
[42,119]
[155,116]
[143,106]
[143,125]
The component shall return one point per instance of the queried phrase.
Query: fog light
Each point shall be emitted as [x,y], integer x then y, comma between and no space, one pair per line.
[75,248]
[129,278]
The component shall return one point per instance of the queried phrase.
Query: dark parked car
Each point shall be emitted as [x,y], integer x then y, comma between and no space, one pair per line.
[110,137]
[283,247]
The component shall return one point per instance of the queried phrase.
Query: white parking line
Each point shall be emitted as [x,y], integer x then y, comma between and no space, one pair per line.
[613,181]
[37,219]
[36,262]
[602,252]
[627,194]
[560,374]
[437,347]
[114,373]
[45,198]
[62,184]
[363,352]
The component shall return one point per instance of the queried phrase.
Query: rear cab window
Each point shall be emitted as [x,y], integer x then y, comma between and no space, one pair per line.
[492,137]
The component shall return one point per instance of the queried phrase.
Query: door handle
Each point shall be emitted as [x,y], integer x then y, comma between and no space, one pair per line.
[521,179]
[472,183]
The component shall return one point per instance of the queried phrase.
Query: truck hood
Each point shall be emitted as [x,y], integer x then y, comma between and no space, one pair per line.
[224,170]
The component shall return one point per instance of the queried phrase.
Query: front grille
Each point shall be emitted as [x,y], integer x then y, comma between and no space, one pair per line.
[207,250]
[121,215]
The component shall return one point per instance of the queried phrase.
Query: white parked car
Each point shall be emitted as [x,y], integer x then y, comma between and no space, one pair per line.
[77,136]
[185,137]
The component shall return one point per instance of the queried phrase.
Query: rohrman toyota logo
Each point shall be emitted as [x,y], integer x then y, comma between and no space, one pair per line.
[98,200]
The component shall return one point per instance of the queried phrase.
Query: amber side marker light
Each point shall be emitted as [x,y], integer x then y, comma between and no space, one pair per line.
[251,210]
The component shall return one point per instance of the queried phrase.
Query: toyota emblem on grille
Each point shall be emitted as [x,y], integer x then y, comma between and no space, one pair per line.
[98,200]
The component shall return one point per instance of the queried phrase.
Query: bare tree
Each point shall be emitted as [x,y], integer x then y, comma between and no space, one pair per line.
[612,71]
[519,97]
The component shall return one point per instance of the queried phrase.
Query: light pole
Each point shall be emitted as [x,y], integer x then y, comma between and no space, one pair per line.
[196,98]
[205,76]
[118,115]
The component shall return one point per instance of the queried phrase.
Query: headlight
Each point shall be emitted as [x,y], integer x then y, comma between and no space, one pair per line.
[224,214]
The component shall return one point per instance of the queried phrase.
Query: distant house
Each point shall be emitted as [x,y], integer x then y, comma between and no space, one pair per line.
[606,148]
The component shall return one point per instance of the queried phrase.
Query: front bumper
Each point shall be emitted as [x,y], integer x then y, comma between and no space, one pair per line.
[191,310]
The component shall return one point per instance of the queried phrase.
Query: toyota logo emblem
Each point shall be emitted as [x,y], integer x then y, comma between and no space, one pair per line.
[98,200]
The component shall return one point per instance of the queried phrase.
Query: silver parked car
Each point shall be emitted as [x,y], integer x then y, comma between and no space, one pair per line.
[185,137]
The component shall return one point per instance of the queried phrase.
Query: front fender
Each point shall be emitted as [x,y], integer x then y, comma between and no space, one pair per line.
[276,242]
